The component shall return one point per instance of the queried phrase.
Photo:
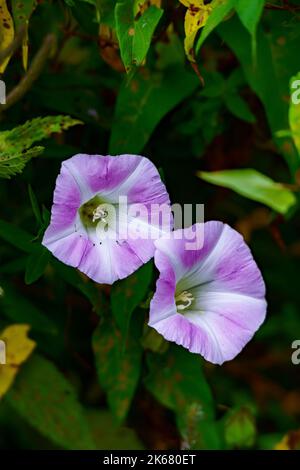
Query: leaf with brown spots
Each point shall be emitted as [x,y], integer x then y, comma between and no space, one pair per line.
[6,32]
[48,402]
[118,368]
[135,34]
[15,144]
[128,293]
[176,380]
[195,18]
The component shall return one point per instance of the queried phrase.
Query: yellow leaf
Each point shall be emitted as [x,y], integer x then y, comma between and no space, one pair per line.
[195,18]
[6,32]
[283,444]
[291,441]
[21,12]
[25,49]
[18,348]
[187,3]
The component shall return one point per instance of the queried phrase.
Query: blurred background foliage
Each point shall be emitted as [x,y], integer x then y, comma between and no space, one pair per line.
[203,89]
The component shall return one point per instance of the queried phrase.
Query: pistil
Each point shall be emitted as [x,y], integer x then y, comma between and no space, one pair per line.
[184,300]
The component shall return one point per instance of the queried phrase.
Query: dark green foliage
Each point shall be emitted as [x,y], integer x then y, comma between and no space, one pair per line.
[115,79]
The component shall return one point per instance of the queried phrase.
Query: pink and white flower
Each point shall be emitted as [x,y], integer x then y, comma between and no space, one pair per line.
[210,300]
[83,232]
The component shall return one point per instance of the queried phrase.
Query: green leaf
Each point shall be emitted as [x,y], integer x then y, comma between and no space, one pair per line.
[36,264]
[13,163]
[35,206]
[125,30]
[97,4]
[127,294]
[118,369]
[238,107]
[198,433]
[221,9]
[171,52]
[22,10]
[17,237]
[48,402]
[15,144]
[86,16]
[144,102]
[135,35]
[176,380]
[253,185]
[249,14]
[144,29]
[107,12]
[22,137]
[240,428]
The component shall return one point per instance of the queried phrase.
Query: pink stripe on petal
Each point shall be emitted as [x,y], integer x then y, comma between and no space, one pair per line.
[69,249]
[67,191]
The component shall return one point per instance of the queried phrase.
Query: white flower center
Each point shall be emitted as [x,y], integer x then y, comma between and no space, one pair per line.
[184,300]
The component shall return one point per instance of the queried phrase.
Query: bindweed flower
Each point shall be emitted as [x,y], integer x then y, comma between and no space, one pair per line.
[106,215]
[210,300]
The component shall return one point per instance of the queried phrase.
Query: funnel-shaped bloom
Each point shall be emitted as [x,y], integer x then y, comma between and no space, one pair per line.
[210,300]
[93,226]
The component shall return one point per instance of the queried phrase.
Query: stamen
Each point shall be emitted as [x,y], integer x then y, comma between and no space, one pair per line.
[100,213]
[186,298]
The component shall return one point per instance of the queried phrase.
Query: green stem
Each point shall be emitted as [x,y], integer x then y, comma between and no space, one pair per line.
[32,74]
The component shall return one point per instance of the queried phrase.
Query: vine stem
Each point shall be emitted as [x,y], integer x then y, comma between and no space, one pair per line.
[32,74]
[285,6]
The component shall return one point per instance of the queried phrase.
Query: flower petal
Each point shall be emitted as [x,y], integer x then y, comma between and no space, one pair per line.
[133,176]
[69,248]
[163,303]
[100,174]
[109,261]
[177,246]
